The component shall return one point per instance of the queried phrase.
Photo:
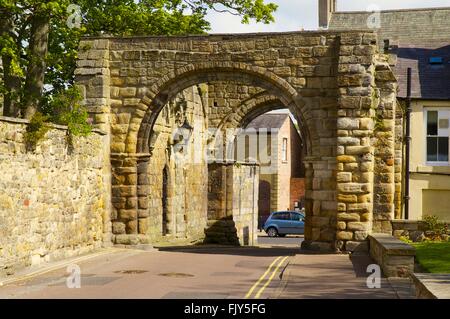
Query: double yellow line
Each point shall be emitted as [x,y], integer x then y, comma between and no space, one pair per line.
[269,280]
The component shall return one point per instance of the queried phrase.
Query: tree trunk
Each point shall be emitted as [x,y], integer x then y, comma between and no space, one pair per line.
[34,83]
[11,81]
[11,99]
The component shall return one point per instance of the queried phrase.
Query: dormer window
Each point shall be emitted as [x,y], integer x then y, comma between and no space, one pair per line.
[436,60]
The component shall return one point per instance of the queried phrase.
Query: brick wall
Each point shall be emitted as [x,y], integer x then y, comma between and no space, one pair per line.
[297,191]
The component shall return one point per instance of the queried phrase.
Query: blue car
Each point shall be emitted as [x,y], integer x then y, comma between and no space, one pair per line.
[285,223]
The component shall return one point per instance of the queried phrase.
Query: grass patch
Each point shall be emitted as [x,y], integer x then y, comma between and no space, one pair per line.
[434,257]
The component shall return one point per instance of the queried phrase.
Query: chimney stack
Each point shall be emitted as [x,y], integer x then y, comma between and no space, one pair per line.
[326,9]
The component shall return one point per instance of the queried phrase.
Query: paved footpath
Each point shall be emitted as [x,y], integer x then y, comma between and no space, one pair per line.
[332,276]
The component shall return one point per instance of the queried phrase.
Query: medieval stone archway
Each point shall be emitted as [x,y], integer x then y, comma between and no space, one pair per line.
[333,80]
[244,226]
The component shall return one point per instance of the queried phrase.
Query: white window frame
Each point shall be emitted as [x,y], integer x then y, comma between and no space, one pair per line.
[284,152]
[426,110]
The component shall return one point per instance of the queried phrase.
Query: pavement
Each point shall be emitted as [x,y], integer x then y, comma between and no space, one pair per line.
[331,276]
[275,269]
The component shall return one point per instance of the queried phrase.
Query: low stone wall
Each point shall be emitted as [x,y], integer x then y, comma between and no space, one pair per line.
[54,200]
[413,229]
[416,230]
[395,257]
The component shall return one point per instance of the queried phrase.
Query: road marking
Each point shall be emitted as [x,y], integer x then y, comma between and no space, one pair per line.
[270,278]
[249,293]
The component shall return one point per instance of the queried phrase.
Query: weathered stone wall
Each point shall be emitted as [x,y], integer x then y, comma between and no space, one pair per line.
[54,201]
[385,149]
[225,99]
[244,196]
[186,166]
[232,203]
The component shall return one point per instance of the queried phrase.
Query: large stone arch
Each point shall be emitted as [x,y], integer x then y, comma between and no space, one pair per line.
[126,81]
[204,73]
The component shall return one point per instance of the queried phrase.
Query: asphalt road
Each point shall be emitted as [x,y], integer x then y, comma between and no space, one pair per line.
[174,272]
[288,241]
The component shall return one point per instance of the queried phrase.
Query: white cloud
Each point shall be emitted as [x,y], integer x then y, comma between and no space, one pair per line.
[292,15]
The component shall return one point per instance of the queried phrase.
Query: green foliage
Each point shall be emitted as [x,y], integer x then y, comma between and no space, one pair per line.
[66,109]
[378,122]
[434,227]
[36,130]
[405,239]
[99,17]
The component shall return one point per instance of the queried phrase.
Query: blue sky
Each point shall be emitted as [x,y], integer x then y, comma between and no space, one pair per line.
[293,15]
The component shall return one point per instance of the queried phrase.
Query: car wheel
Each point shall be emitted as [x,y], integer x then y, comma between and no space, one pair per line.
[272,232]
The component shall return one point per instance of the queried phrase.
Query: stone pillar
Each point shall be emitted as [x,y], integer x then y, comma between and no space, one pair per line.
[385,154]
[355,154]
[320,203]
[143,193]
[129,218]
[92,77]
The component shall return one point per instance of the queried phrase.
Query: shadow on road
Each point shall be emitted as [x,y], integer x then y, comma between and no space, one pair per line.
[234,251]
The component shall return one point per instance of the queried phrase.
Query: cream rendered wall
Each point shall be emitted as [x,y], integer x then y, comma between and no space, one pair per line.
[429,185]
[284,167]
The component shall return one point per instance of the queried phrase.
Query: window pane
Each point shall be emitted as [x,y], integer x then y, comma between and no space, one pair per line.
[443,149]
[432,149]
[284,149]
[432,123]
[276,216]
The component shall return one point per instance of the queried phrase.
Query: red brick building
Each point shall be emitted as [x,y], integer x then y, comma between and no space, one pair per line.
[280,155]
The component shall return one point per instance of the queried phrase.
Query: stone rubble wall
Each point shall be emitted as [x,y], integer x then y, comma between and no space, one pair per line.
[54,201]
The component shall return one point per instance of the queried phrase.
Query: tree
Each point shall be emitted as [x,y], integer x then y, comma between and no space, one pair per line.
[39,47]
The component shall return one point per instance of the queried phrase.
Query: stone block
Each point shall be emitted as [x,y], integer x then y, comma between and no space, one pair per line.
[344,235]
[346,123]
